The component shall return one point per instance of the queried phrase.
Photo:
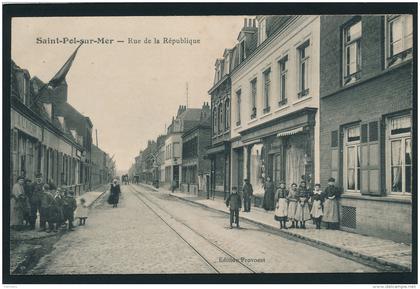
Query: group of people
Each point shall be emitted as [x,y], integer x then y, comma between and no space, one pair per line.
[57,207]
[296,205]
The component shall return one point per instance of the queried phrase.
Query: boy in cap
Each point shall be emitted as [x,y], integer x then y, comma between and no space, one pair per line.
[46,200]
[69,205]
[234,203]
[35,202]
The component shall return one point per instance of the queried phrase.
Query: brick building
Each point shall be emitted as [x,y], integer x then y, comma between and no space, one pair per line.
[195,164]
[366,90]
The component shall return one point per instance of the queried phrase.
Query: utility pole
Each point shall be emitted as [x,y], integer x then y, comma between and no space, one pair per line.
[187,94]
[96,132]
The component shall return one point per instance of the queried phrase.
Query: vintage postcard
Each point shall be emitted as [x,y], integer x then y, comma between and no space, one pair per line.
[203,144]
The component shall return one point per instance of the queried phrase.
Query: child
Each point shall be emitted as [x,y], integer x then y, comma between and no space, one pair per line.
[302,209]
[281,205]
[53,210]
[59,202]
[316,210]
[234,202]
[82,212]
[292,200]
[68,208]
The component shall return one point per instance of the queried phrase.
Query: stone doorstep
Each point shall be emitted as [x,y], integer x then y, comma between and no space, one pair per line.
[387,262]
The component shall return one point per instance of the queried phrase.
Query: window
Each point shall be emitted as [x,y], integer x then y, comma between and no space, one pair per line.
[254,98]
[303,54]
[400,162]
[283,80]
[352,52]
[399,38]
[227,64]
[267,83]
[262,31]
[227,114]
[352,159]
[215,120]
[221,124]
[238,107]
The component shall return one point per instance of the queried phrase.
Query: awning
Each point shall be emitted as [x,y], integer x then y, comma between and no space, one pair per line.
[290,131]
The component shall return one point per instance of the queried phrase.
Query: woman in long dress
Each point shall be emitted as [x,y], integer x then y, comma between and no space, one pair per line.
[292,199]
[114,195]
[332,193]
[17,202]
[268,203]
[302,209]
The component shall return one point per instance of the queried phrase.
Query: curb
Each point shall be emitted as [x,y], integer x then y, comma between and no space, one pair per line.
[311,241]
[94,201]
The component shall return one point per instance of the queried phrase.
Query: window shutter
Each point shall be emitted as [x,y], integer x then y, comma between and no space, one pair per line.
[373,131]
[375,168]
[364,133]
[334,139]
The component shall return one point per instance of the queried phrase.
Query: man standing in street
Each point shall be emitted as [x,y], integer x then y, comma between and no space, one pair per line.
[247,194]
[35,202]
[234,204]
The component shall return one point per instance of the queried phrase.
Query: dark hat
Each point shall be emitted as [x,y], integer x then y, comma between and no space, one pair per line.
[282,182]
[294,184]
[331,180]
[317,185]
[245,180]
[20,178]
[303,181]
[234,188]
[70,193]
[38,175]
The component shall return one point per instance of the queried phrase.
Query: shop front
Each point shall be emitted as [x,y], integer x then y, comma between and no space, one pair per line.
[282,149]
[220,169]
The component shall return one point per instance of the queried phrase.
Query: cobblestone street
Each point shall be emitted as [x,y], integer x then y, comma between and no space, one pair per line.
[133,239]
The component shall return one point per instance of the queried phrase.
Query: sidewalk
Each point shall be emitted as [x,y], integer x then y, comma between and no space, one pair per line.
[384,252]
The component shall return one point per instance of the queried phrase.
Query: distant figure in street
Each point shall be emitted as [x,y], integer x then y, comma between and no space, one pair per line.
[17,204]
[114,195]
[292,199]
[302,209]
[281,205]
[69,205]
[173,186]
[268,203]
[317,211]
[82,212]
[332,193]
[247,191]
[234,204]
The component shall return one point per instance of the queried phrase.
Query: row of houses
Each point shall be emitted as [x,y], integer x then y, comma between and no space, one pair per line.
[49,136]
[310,97]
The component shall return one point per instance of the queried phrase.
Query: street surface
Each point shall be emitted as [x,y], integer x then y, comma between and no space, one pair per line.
[151,232]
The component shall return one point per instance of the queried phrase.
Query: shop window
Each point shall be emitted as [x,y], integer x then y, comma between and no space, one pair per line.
[267,84]
[283,63]
[399,38]
[400,162]
[303,61]
[254,98]
[352,52]
[352,159]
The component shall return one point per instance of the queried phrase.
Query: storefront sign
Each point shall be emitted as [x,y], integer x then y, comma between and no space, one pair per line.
[24,124]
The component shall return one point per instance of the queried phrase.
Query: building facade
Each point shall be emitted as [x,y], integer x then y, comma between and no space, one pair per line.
[195,164]
[366,120]
[275,102]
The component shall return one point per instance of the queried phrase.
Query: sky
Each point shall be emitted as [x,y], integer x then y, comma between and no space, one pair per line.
[130,91]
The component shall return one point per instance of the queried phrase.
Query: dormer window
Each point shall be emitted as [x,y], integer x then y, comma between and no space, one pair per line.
[262,31]
[242,51]
[227,64]
[48,109]
[62,123]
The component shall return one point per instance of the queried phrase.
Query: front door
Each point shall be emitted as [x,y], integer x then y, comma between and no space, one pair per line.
[176,175]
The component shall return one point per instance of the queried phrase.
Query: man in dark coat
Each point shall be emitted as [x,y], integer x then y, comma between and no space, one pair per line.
[35,202]
[247,194]
[69,205]
[268,203]
[234,203]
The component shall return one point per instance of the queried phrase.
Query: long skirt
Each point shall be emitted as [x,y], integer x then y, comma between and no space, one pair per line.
[53,214]
[316,210]
[291,210]
[302,212]
[330,211]
[113,199]
[281,210]
[268,203]
[16,213]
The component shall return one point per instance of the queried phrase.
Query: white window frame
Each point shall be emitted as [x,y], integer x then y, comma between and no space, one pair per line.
[283,61]
[238,106]
[266,89]
[303,90]
[389,139]
[254,92]
[356,146]
[353,77]
[406,52]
